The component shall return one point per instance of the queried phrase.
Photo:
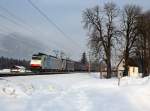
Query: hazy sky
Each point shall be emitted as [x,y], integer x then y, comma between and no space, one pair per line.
[67,14]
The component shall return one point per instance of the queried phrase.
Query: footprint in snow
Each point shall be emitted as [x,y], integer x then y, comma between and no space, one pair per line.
[8,90]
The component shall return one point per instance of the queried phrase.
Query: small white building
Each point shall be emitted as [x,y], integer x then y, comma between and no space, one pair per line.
[120,68]
[133,69]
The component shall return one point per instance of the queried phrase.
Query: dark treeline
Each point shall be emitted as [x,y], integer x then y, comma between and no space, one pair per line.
[143,42]
[10,62]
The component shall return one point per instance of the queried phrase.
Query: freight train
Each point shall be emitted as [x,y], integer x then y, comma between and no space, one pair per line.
[47,63]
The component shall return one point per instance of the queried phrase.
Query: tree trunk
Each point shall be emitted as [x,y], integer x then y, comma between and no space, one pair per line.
[126,62]
[145,59]
[109,69]
[148,55]
[109,62]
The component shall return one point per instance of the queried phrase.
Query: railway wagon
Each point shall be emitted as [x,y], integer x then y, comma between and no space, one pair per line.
[69,65]
[52,63]
[78,66]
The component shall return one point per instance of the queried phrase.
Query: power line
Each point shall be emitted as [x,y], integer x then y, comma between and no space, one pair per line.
[3,27]
[21,22]
[18,19]
[11,14]
[14,22]
[10,20]
[51,22]
[13,35]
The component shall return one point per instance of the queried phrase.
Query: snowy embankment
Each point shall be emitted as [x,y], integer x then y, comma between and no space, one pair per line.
[3,71]
[73,92]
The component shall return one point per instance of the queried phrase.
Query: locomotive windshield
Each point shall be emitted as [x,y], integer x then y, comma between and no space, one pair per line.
[36,58]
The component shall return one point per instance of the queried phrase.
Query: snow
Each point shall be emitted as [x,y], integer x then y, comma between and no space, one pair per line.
[74,92]
[5,71]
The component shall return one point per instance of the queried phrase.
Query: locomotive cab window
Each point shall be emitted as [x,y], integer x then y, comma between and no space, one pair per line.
[36,58]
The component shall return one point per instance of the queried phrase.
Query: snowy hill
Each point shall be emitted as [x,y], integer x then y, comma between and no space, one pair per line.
[73,92]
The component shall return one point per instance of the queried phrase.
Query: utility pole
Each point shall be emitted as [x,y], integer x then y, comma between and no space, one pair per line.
[62,54]
[56,52]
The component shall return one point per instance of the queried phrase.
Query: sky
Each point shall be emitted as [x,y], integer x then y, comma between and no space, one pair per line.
[66,14]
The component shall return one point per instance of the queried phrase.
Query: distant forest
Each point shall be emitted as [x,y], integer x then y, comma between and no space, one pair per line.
[10,62]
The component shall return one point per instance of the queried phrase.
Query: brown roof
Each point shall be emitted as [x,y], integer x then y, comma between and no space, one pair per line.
[132,62]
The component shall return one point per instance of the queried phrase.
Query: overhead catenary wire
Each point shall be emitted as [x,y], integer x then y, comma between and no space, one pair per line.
[14,22]
[4,28]
[52,22]
[18,19]
[11,14]
[23,23]
[12,35]
[10,17]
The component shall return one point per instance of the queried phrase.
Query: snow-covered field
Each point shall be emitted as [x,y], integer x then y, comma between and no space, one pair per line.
[73,92]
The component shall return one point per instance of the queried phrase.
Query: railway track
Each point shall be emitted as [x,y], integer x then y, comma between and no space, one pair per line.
[32,74]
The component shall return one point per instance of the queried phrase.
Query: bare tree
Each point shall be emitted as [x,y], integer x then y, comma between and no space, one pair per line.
[148,36]
[101,30]
[143,44]
[129,31]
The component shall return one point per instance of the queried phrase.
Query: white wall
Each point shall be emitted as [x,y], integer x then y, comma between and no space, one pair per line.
[133,72]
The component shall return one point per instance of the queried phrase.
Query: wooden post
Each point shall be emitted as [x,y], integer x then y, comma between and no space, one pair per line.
[101,70]
[119,77]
